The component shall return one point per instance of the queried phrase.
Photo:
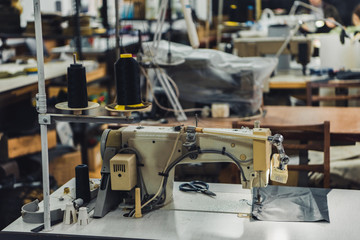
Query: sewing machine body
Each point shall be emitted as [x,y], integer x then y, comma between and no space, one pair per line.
[155,145]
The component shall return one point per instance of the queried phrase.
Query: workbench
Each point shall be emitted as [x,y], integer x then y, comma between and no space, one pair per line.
[197,216]
[291,79]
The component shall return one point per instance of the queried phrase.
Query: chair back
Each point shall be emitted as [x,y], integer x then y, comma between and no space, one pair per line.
[342,91]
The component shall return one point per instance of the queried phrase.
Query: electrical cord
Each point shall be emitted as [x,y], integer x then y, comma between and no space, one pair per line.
[160,200]
[166,166]
[143,188]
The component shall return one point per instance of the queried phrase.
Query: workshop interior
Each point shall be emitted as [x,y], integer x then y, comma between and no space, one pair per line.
[179,119]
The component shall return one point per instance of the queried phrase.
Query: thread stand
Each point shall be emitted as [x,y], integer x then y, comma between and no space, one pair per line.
[128,109]
[76,111]
[169,60]
[46,119]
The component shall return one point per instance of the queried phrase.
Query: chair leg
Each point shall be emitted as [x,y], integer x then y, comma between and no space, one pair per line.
[303,180]
[308,94]
[326,180]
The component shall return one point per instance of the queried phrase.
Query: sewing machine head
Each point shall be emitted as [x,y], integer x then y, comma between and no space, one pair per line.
[146,156]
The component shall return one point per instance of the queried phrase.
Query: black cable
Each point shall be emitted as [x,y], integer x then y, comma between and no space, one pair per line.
[208,151]
[161,199]
[158,203]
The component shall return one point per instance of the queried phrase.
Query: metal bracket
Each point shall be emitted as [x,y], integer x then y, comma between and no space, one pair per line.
[44,119]
[277,141]
[41,103]
[190,137]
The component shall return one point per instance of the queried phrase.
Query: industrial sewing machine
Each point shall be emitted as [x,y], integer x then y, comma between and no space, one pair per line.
[144,157]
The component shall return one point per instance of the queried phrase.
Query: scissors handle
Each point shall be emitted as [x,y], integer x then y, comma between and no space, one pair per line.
[188,187]
[196,186]
[200,184]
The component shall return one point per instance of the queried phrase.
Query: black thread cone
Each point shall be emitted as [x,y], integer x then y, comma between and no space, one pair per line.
[82,182]
[127,75]
[77,91]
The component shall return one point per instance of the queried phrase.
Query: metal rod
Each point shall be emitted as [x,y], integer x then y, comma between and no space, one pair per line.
[89,119]
[77,29]
[174,101]
[219,23]
[233,134]
[45,177]
[207,23]
[41,108]
[40,56]
[306,5]
[117,37]
[105,15]
[170,31]
[287,40]
[258,196]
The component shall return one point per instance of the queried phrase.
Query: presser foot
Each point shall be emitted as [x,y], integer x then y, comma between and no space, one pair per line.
[258,197]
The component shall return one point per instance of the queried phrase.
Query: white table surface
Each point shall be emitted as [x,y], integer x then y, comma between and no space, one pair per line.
[344,209]
[51,70]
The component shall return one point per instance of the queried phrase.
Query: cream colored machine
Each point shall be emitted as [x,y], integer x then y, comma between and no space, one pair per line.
[146,157]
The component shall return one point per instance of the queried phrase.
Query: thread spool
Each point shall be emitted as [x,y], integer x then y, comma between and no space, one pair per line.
[137,203]
[83,218]
[69,214]
[127,75]
[77,91]
[82,182]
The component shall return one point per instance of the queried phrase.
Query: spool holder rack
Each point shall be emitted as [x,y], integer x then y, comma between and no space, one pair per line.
[46,119]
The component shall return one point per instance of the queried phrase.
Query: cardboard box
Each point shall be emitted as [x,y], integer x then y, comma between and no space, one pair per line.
[94,157]
[63,168]
[24,145]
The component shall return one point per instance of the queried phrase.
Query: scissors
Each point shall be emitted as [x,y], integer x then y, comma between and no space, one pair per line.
[196,186]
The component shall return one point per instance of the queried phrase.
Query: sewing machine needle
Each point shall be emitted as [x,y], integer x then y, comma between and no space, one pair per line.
[258,195]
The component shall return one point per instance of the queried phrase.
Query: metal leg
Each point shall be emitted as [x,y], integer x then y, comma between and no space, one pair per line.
[41,108]
[77,30]
[45,177]
[117,37]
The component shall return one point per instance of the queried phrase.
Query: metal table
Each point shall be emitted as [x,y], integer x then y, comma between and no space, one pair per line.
[196,216]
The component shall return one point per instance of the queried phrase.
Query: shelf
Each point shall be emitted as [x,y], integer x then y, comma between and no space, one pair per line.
[60,37]
[25,145]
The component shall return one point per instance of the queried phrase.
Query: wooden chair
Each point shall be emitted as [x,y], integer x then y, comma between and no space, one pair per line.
[342,91]
[301,139]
